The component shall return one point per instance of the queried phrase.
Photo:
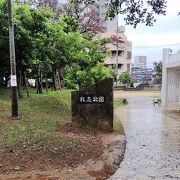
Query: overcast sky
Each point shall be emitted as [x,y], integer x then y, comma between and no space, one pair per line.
[150,41]
[165,33]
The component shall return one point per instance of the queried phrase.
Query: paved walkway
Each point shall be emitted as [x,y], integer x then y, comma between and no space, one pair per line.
[153,142]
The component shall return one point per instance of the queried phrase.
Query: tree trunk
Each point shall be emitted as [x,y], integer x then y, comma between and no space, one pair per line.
[26,84]
[39,87]
[62,78]
[20,85]
[46,83]
[53,78]
[58,80]
[39,80]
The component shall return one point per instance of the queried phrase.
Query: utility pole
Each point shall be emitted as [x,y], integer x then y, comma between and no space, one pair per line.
[14,98]
[116,44]
[117,48]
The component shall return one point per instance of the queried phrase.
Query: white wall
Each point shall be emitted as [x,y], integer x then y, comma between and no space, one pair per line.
[171,80]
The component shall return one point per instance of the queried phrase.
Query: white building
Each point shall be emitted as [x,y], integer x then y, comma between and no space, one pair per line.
[142,75]
[120,55]
[140,61]
[171,80]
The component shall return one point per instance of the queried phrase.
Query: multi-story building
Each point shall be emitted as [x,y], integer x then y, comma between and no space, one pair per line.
[140,61]
[142,75]
[119,53]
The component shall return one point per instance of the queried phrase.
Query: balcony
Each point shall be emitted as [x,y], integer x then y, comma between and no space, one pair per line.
[113,60]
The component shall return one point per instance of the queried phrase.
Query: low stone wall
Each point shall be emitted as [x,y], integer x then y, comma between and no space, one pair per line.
[93,107]
[153,88]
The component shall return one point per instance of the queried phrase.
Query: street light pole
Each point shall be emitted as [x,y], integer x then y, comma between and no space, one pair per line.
[14,98]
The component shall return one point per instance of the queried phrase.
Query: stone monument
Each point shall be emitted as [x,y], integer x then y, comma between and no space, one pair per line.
[93,107]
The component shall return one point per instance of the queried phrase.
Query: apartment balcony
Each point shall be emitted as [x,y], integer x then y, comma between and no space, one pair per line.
[111,60]
[121,46]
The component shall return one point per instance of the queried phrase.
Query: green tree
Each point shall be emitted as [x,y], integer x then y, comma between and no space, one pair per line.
[70,24]
[34,38]
[85,62]
[137,11]
[47,45]
[125,78]
[4,45]
[30,27]
[158,72]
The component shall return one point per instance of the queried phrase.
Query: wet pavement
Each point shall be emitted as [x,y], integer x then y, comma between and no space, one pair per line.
[153,141]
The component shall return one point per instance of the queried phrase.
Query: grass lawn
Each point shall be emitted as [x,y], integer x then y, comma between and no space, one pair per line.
[40,115]
[118,128]
[39,133]
[118,103]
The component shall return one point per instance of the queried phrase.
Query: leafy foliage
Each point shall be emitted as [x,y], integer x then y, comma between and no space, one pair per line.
[136,11]
[85,63]
[86,77]
[83,11]
[125,78]
[158,70]
[46,42]
[70,24]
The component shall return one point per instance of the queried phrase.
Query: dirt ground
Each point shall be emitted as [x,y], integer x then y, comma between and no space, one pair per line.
[83,154]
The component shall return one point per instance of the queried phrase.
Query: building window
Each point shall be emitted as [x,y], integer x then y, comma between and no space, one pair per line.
[129,54]
[120,52]
[128,67]
[120,66]
[113,53]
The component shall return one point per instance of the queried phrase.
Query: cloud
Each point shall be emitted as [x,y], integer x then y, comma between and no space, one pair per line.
[173,7]
[165,33]
[151,39]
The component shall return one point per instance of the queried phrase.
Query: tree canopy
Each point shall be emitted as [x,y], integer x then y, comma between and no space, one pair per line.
[137,11]
[125,78]
[47,43]
[51,37]
[158,72]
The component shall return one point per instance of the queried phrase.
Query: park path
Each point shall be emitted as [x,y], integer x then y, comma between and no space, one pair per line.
[153,141]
